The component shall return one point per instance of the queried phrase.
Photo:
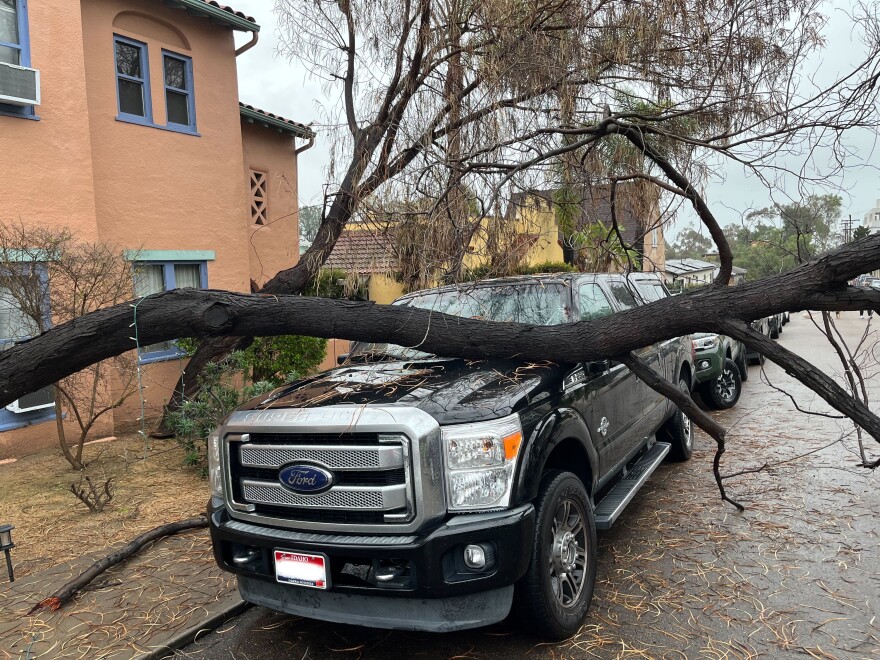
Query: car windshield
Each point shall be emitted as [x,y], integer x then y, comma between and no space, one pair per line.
[533,303]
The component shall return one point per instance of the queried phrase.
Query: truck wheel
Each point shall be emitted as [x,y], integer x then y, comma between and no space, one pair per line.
[677,431]
[741,364]
[723,392]
[553,597]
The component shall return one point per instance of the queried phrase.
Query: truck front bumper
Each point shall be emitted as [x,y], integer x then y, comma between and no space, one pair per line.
[417,582]
[708,365]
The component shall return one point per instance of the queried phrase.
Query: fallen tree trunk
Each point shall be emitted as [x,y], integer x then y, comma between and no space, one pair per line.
[71,588]
[70,347]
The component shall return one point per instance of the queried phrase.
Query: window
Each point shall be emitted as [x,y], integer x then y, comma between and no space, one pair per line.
[651,290]
[15,47]
[654,236]
[152,278]
[15,325]
[622,295]
[592,303]
[178,90]
[132,79]
[11,46]
[259,198]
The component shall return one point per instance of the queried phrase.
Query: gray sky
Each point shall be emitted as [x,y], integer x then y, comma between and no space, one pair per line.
[269,81]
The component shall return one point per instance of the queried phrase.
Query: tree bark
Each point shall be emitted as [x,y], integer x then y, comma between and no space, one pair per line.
[818,285]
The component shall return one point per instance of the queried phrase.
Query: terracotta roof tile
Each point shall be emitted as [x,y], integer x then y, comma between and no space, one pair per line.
[279,121]
[363,251]
[230,10]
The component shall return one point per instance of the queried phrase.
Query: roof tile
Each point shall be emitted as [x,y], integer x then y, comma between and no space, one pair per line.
[363,251]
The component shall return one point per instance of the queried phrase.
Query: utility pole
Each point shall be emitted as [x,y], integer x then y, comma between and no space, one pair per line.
[847,229]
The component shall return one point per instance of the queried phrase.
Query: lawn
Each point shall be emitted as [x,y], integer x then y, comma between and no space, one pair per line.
[53,526]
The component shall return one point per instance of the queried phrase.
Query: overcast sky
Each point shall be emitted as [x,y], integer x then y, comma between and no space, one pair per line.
[269,81]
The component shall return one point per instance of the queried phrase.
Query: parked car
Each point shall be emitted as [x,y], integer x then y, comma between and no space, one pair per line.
[408,490]
[763,326]
[720,369]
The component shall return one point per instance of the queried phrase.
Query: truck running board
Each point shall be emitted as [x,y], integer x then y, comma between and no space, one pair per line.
[615,501]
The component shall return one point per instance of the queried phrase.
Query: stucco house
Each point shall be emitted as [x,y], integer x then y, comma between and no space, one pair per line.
[120,120]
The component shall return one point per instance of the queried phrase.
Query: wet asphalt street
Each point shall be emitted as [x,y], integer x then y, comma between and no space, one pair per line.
[683,575]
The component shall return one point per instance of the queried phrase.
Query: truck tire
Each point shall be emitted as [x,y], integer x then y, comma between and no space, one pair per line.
[553,597]
[677,431]
[741,364]
[723,392]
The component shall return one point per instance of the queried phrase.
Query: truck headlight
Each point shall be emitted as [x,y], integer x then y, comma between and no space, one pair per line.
[214,473]
[480,463]
[706,343]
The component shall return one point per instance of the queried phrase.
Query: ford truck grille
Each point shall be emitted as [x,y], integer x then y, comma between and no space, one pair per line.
[385,465]
[369,476]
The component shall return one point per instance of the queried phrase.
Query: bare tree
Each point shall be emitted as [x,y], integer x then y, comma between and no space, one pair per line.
[51,278]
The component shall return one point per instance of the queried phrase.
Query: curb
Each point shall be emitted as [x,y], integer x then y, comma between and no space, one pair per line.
[167,650]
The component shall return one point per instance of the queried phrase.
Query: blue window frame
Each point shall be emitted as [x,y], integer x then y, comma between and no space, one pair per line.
[180,108]
[158,276]
[15,47]
[17,326]
[132,80]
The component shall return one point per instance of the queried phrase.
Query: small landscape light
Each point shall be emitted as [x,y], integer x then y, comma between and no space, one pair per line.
[6,545]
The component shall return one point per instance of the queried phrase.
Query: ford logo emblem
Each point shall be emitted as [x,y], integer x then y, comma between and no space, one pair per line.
[305,478]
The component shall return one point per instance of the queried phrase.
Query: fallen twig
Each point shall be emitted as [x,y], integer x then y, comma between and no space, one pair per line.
[71,588]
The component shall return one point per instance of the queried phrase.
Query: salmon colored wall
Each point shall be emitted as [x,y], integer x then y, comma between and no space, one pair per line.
[61,195]
[335,348]
[159,379]
[273,246]
[195,189]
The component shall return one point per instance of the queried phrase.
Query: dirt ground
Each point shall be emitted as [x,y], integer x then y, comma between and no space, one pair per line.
[52,525]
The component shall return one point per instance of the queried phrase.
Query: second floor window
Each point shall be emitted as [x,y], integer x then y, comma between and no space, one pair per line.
[132,79]
[10,42]
[178,90]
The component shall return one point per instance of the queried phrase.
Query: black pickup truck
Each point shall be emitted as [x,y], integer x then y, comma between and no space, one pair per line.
[413,491]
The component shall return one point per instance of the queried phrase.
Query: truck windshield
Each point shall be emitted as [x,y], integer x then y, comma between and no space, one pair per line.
[535,304]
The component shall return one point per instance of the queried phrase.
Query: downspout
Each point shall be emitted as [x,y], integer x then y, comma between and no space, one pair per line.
[255,36]
[308,145]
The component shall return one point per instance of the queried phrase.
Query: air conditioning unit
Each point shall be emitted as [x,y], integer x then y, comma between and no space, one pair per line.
[44,398]
[19,85]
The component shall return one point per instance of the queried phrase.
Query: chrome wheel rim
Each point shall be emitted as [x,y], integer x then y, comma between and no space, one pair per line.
[568,554]
[686,430]
[725,385]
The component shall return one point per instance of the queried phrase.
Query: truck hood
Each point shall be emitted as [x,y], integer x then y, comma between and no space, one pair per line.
[451,390]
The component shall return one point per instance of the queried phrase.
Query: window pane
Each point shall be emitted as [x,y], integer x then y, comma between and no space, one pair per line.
[622,294]
[151,279]
[9,55]
[128,60]
[188,275]
[131,98]
[178,108]
[592,302]
[148,279]
[175,72]
[8,22]
[14,324]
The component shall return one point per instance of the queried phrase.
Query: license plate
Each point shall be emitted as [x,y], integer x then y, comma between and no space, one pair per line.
[301,569]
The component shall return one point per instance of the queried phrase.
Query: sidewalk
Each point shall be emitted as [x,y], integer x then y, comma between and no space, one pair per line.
[157,599]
